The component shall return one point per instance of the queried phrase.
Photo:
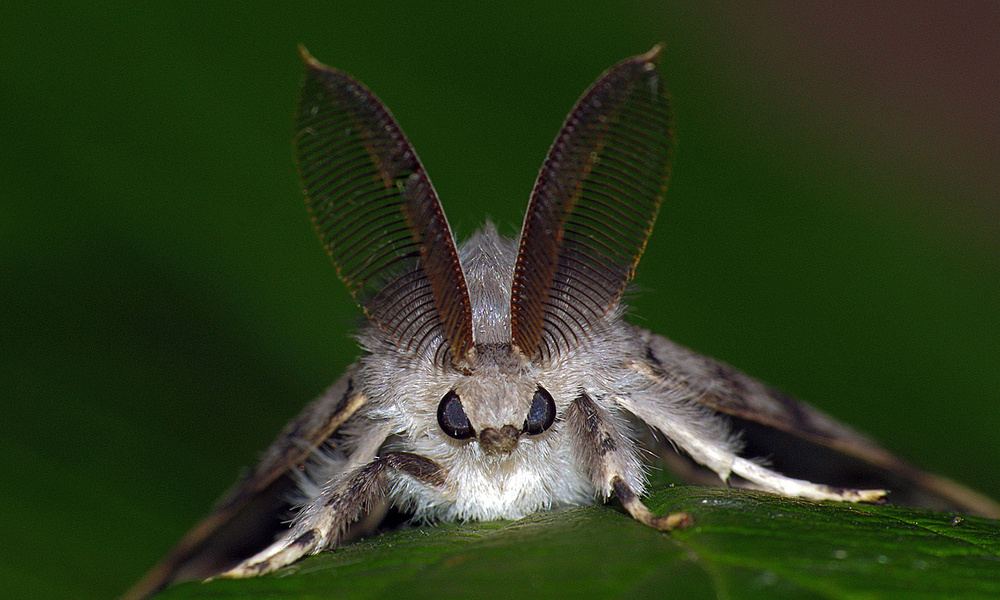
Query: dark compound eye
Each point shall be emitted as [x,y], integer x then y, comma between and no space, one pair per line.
[541,414]
[452,418]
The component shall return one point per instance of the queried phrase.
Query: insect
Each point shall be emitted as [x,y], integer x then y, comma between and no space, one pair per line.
[499,378]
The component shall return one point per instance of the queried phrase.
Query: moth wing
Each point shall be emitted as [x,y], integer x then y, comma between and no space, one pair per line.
[248,517]
[797,439]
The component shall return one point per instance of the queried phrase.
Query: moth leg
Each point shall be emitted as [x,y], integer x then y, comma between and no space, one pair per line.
[321,523]
[641,513]
[706,439]
[777,483]
[612,463]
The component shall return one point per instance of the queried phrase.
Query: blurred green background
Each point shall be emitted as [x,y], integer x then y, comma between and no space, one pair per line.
[832,227]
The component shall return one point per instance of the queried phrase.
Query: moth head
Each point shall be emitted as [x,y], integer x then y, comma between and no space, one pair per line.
[497,403]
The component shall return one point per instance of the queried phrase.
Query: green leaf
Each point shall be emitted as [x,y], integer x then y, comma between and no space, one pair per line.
[743,545]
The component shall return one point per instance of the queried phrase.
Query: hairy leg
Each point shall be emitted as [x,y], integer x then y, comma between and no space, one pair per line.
[321,523]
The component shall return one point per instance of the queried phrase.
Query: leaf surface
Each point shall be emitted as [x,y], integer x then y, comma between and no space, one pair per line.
[743,545]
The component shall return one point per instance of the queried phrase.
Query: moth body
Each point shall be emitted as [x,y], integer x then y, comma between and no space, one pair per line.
[486,479]
[498,377]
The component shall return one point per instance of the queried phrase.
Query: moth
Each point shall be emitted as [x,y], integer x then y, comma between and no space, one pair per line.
[498,377]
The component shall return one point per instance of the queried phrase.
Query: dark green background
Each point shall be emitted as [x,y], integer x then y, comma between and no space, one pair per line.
[832,227]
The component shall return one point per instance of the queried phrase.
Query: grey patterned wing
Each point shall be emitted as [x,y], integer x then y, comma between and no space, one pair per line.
[797,439]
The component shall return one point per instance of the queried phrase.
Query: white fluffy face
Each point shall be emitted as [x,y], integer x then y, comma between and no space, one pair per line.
[540,471]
